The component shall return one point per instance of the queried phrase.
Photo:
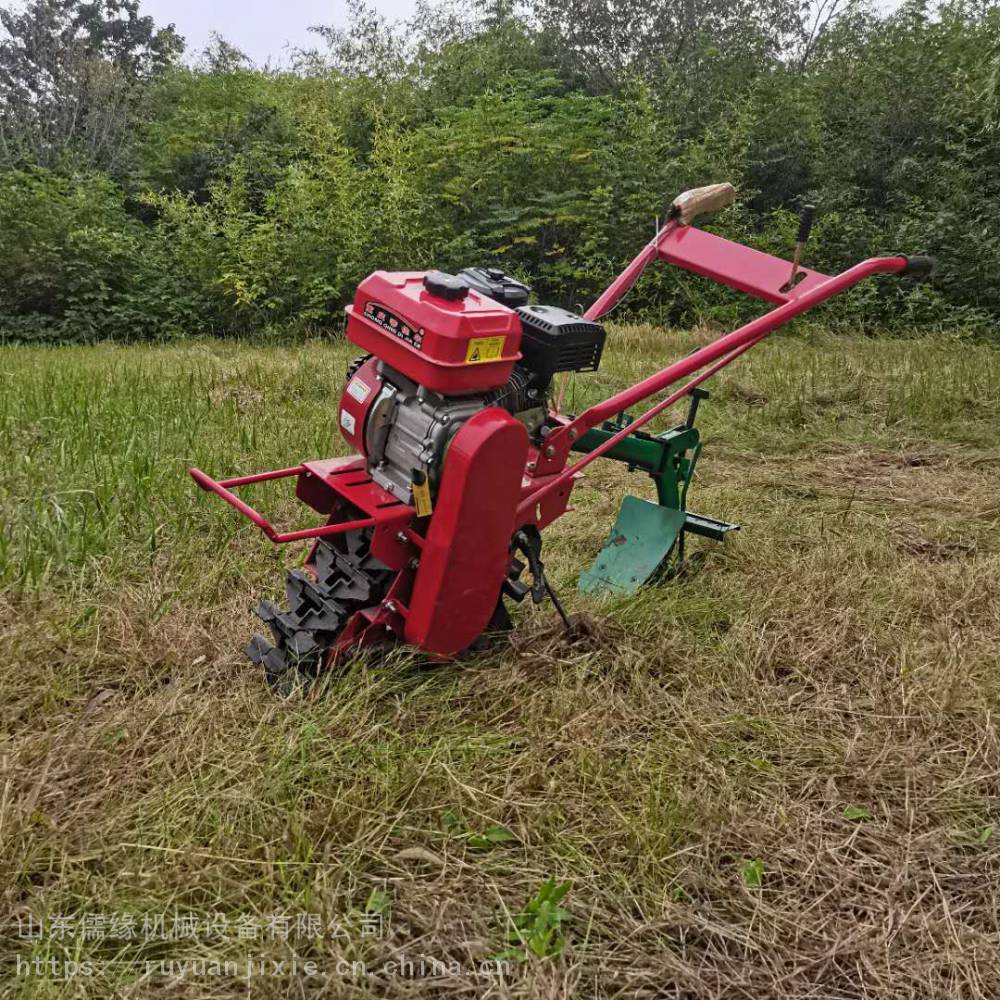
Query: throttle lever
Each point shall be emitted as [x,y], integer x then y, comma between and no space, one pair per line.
[806,219]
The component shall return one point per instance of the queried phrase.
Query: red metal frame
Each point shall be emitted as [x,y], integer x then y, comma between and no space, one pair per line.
[341,487]
[223,488]
[741,267]
[733,264]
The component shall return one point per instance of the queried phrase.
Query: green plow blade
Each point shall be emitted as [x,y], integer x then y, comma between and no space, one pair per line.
[640,541]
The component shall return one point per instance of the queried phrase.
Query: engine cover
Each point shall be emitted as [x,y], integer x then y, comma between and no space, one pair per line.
[465,557]
[437,331]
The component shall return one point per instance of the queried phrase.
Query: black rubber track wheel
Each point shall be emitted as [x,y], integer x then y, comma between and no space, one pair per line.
[347,579]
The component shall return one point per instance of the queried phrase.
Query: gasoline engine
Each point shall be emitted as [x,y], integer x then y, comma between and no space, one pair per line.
[401,409]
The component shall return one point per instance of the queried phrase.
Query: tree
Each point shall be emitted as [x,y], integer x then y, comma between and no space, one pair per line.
[72,75]
[369,46]
[604,42]
[220,57]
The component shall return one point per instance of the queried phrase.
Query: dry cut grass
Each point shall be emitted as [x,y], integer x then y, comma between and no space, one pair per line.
[777,777]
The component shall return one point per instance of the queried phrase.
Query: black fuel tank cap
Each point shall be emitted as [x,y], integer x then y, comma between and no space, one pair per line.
[447,286]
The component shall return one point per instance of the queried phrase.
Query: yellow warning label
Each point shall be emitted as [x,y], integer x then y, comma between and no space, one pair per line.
[422,498]
[484,349]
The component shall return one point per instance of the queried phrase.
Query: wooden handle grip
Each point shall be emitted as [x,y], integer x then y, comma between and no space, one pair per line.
[701,201]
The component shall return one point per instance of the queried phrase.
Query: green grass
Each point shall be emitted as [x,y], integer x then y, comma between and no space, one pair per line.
[777,777]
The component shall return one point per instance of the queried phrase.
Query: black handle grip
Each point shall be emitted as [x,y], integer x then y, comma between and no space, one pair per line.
[806,223]
[919,268]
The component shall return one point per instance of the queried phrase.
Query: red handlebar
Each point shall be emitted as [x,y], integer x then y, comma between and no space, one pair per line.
[718,354]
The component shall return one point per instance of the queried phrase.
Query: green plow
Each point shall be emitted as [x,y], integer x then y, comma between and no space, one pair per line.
[647,540]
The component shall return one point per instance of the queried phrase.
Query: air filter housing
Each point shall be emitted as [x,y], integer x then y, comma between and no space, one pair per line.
[496,284]
[556,340]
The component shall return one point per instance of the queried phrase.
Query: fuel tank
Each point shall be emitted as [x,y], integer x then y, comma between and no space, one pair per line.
[435,330]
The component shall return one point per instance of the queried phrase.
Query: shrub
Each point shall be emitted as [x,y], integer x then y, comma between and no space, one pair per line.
[76,266]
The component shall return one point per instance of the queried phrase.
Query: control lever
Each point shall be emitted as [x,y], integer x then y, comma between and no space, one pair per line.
[806,220]
[697,395]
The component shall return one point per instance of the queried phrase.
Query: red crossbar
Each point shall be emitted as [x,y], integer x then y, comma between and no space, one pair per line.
[221,489]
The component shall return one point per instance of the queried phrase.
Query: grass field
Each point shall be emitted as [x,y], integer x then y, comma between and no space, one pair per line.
[778,777]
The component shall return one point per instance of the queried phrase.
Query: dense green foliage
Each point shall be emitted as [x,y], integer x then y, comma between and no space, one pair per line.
[248,199]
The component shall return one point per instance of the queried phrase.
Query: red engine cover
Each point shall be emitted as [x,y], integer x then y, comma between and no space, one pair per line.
[453,347]
[465,554]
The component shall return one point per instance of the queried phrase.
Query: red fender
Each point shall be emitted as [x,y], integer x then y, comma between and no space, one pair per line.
[465,555]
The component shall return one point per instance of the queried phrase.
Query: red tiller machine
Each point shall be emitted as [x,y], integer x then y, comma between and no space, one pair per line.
[463,453]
